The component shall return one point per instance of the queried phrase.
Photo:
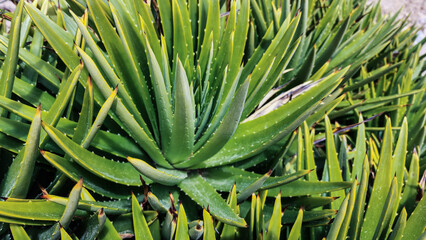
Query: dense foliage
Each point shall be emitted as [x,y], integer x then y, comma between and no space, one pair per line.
[189,119]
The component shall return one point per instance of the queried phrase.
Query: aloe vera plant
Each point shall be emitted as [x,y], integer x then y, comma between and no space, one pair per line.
[190,100]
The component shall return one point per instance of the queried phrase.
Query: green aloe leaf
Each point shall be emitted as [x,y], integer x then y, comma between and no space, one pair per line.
[111,76]
[360,150]
[326,54]
[307,202]
[161,99]
[102,167]
[9,66]
[345,225]
[25,222]
[209,230]
[169,225]
[196,229]
[61,101]
[55,231]
[182,134]
[374,75]
[205,195]
[381,186]
[64,235]
[92,206]
[99,120]
[182,225]
[410,190]
[91,181]
[305,70]
[18,178]
[60,40]
[400,225]
[155,203]
[376,102]
[274,228]
[273,126]
[229,231]
[86,117]
[182,44]
[297,226]
[165,178]
[388,209]
[222,179]
[416,223]
[130,75]
[142,137]
[32,94]
[290,216]
[338,221]
[109,232]
[18,232]
[358,209]
[140,226]
[223,133]
[256,185]
[94,225]
[333,166]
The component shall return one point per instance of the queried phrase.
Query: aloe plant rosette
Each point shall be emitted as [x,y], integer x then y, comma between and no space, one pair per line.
[187,94]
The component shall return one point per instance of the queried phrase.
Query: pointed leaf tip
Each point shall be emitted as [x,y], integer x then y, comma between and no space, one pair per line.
[80,183]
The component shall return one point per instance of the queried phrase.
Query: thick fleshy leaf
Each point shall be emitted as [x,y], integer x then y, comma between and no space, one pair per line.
[223,133]
[94,225]
[141,136]
[91,205]
[91,181]
[99,120]
[333,166]
[182,225]
[209,231]
[256,185]
[140,226]
[360,150]
[338,221]
[295,230]
[205,195]
[416,223]
[222,179]
[274,228]
[358,211]
[182,134]
[65,235]
[381,186]
[130,75]
[345,225]
[18,232]
[59,39]
[400,225]
[18,178]
[109,232]
[55,231]
[410,190]
[265,130]
[165,178]
[102,167]
[9,66]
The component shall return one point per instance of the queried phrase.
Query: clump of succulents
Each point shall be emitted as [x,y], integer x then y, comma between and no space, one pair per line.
[182,119]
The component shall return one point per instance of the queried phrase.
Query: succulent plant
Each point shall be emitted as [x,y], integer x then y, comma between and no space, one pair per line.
[190,100]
